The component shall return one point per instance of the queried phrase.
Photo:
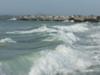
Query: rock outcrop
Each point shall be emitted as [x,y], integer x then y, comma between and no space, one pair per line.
[61,18]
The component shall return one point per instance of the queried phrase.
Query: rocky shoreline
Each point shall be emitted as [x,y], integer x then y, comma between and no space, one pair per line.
[60,18]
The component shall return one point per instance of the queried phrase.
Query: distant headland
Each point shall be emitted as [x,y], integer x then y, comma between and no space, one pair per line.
[75,18]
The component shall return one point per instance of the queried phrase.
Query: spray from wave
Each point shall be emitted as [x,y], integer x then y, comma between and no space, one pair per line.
[61,61]
[64,59]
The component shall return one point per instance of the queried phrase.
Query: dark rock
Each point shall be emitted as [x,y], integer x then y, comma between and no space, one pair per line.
[61,18]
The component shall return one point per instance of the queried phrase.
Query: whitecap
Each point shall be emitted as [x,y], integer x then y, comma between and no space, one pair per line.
[40,29]
[7,40]
[81,27]
[69,37]
[13,19]
[62,60]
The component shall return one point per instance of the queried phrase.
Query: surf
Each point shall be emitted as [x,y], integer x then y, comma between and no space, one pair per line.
[7,40]
[43,28]
[50,48]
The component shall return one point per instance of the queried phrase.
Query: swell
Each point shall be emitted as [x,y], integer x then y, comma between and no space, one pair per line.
[62,60]
[7,40]
[67,57]
[80,27]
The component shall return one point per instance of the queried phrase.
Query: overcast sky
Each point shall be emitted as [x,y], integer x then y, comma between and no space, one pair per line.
[50,7]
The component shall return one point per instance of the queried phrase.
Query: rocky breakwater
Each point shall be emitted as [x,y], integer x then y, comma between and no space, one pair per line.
[85,18]
[43,18]
[60,18]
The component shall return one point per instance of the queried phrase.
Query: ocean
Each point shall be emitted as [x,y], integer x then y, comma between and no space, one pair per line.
[49,48]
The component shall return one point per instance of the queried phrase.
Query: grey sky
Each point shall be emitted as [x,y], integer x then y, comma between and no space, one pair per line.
[50,7]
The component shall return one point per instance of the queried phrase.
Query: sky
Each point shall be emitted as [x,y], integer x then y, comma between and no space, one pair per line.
[49,7]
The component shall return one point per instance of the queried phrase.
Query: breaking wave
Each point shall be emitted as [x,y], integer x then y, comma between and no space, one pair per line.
[40,29]
[68,38]
[80,27]
[61,61]
[13,19]
[7,40]
[72,28]
[75,51]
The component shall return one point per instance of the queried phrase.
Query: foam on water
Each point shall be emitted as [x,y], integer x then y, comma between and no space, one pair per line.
[63,34]
[7,40]
[97,36]
[62,61]
[64,58]
[13,19]
[43,28]
[1,72]
[81,27]
[68,38]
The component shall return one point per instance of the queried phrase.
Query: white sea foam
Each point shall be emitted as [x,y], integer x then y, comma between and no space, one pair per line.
[13,19]
[60,62]
[69,37]
[1,71]
[7,40]
[81,27]
[61,34]
[96,35]
[40,29]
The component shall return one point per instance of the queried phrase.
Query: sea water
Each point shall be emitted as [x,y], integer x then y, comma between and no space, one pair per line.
[49,48]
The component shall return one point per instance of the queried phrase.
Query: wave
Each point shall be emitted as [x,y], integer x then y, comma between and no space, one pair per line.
[62,61]
[7,40]
[1,72]
[96,36]
[68,38]
[80,27]
[66,33]
[40,29]
[13,19]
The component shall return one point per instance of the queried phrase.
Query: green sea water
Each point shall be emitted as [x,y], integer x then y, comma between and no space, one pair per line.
[49,48]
